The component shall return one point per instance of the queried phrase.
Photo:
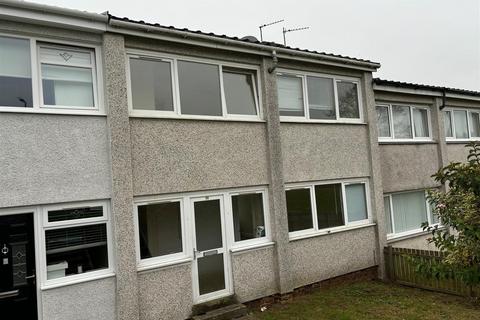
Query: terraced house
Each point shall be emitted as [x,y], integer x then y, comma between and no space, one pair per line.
[147,170]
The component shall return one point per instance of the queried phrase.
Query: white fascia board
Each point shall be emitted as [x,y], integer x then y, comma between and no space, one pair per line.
[52,16]
[424,92]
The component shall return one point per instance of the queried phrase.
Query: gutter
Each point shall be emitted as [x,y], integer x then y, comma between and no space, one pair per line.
[22,11]
[189,37]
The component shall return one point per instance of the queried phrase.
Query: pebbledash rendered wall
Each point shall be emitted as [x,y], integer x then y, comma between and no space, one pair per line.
[51,159]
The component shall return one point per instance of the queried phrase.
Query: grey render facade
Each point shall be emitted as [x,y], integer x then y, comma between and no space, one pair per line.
[127,162]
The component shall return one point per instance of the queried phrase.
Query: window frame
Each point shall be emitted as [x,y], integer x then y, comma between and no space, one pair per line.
[160,260]
[186,256]
[411,107]
[44,226]
[176,113]
[394,235]
[335,79]
[469,111]
[315,231]
[37,90]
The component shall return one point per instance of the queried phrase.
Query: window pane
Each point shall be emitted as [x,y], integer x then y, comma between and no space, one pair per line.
[239,91]
[151,82]
[290,96]
[299,208]
[321,100]
[447,118]
[348,100]
[199,88]
[160,229]
[474,124]
[356,202]
[74,213]
[329,205]
[67,86]
[388,214]
[15,73]
[211,273]
[76,250]
[66,56]
[409,210]
[248,219]
[461,125]
[383,121]
[402,126]
[420,122]
[208,225]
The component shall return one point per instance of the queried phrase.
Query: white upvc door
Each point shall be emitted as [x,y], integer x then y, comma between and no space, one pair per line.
[211,261]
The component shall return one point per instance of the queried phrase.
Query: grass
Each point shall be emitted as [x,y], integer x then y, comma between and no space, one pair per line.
[372,300]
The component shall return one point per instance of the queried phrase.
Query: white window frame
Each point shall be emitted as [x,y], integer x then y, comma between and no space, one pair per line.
[469,124]
[45,226]
[411,108]
[394,235]
[315,231]
[186,256]
[37,91]
[336,79]
[168,258]
[176,113]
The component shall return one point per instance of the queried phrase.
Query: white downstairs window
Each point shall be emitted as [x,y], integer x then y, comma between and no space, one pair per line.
[323,207]
[406,211]
[77,243]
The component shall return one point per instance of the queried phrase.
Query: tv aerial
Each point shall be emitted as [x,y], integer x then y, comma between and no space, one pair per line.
[267,25]
[285,31]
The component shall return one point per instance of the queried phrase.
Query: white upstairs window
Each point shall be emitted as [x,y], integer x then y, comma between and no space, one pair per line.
[403,123]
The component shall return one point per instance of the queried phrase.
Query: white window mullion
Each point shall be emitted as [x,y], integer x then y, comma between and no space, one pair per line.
[392,216]
[335,94]
[37,95]
[305,98]
[390,115]
[412,123]
[222,93]
[344,204]
[176,88]
[313,202]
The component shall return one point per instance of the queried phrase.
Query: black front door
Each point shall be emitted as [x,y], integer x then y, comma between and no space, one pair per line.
[17,268]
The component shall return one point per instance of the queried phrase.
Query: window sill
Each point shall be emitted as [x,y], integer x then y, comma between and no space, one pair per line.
[240,249]
[410,234]
[403,142]
[406,235]
[134,114]
[311,121]
[163,264]
[52,111]
[462,141]
[325,232]
[69,282]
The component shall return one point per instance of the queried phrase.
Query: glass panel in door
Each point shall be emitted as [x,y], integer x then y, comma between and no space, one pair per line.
[209,247]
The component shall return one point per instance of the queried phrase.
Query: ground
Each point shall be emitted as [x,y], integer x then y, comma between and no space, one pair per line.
[372,300]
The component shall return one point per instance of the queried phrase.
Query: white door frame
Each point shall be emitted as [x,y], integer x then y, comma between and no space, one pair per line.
[197,298]
[36,225]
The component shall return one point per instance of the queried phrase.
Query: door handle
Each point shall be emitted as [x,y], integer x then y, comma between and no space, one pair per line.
[30,277]
[8,294]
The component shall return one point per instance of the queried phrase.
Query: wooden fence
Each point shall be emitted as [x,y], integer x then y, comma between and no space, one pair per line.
[401,270]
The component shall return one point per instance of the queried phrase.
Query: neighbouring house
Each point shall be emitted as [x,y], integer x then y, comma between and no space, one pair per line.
[148,169]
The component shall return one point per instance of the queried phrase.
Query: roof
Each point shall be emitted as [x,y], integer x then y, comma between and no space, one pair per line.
[417,86]
[242,40]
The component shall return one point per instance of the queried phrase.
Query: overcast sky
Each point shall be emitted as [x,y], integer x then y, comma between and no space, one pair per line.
[424,41]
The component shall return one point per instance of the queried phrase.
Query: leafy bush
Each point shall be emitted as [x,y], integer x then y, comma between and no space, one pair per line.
[459,211]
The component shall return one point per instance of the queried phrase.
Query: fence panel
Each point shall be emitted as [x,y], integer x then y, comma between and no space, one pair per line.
[401,270]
